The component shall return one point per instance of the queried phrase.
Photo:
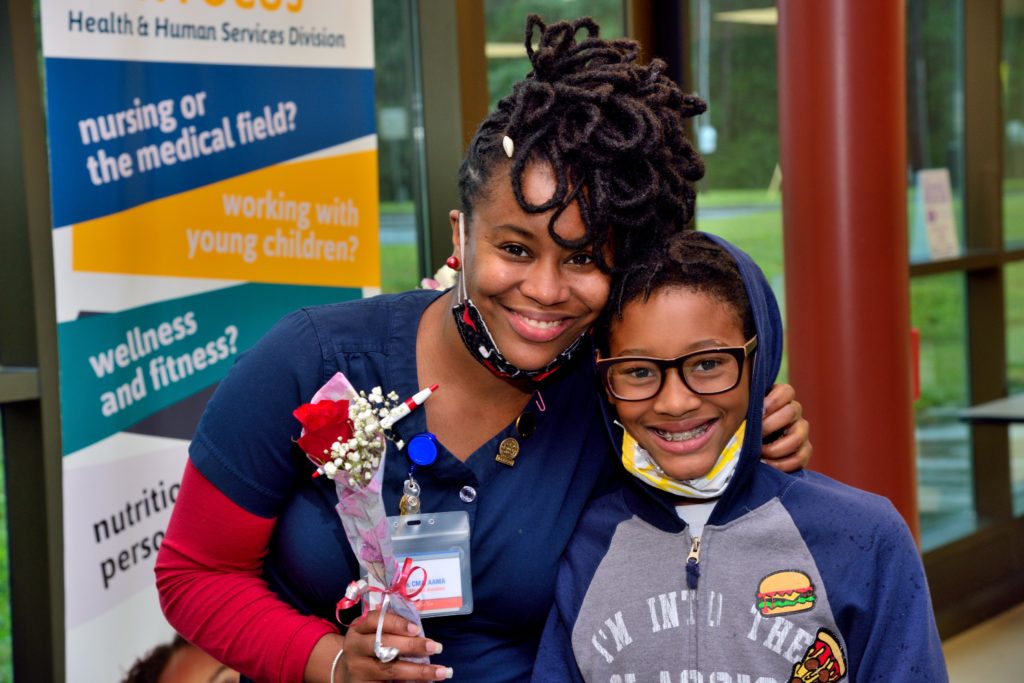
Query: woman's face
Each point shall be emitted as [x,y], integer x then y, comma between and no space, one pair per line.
[684,432]
[535,296]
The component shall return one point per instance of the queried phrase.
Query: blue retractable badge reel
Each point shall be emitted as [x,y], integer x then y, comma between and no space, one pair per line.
[422,449]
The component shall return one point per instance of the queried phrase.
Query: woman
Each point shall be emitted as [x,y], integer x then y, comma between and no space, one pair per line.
[584,165]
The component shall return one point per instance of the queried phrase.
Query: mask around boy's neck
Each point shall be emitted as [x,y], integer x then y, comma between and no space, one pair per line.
[641,465]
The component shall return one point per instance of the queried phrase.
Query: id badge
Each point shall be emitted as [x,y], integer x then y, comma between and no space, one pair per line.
[439,543]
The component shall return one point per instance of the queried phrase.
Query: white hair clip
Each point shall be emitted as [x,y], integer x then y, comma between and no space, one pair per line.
[508,146]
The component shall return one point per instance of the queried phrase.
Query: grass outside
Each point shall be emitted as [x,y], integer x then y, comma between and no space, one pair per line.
[759,233]
[397,207]
[1013,211]
[399,267]
[1014,284]
[399,263]
[730,198]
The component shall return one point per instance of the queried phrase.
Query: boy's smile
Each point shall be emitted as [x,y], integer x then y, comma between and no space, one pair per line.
[684,432]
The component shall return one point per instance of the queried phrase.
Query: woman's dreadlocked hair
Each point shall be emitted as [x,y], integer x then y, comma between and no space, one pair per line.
[612,132]
[689,260]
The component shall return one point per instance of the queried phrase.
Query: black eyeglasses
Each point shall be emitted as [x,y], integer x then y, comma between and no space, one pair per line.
[712,371]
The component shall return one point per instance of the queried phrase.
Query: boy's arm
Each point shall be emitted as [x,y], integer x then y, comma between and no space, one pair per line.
[903,643]
[877,588]
[555,659]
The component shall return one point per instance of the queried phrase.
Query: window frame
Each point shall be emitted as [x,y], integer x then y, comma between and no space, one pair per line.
[994,581]
[29,404]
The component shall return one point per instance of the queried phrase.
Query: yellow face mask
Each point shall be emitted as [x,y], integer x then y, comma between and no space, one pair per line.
[641,465]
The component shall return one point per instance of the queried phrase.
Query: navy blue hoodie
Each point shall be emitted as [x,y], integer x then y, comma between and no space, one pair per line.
[798,577]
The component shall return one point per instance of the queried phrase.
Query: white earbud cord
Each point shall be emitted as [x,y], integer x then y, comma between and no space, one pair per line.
[462,257]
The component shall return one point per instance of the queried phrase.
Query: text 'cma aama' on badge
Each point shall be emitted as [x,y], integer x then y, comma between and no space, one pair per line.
[439,544]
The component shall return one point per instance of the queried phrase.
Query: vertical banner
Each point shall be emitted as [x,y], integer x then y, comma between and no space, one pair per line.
[213,166]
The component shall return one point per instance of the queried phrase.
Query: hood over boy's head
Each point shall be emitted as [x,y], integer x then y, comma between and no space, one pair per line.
[709,265]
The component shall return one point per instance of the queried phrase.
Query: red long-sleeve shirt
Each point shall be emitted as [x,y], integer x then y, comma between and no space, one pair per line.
[208,574]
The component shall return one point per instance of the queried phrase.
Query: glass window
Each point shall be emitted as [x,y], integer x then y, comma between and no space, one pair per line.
[1013,117]
[399,143]
[1017,468]
[935,123]
[505,20]
[734,66]
[1014,283]
[1013,226]
[944,459]
[935,159]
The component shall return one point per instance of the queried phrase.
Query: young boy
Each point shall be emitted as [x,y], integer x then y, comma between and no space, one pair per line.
[708,566]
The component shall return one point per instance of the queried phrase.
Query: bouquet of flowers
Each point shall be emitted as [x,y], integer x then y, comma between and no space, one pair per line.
[343,436]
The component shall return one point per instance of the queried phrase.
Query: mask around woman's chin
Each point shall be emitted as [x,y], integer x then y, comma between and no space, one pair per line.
[480,343]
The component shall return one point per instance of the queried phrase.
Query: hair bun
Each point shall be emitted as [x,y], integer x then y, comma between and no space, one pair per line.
[557,45]
[559,57]
[613,132]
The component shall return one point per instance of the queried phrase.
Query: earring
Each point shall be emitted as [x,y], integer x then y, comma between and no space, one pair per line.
[452,262]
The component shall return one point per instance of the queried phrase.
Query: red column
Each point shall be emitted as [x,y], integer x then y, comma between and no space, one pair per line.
[842,113]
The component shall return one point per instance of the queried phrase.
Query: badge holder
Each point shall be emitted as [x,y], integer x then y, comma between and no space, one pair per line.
[438,542]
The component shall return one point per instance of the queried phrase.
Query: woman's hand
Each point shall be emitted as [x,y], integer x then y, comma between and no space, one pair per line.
[790,446]
[360,665]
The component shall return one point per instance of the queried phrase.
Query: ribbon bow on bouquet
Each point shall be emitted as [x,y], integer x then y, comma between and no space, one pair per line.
[358,592]
[342,435]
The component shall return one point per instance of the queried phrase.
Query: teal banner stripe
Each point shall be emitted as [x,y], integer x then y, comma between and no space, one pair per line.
[119,368]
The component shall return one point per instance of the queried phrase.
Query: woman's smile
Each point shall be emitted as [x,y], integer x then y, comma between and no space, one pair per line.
[538,327]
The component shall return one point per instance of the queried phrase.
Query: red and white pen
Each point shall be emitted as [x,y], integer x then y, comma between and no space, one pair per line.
[407,406]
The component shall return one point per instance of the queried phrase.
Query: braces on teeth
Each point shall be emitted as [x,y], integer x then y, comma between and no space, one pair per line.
[683,436]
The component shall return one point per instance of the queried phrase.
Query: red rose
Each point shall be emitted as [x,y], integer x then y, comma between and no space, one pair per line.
[324,423]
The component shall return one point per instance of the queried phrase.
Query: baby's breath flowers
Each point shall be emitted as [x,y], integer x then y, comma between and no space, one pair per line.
[345,437]
[359,455]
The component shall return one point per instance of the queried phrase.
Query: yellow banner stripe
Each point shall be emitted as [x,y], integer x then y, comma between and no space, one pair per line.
[313,222]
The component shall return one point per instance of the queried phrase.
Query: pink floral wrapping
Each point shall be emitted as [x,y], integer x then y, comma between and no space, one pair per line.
[362,513]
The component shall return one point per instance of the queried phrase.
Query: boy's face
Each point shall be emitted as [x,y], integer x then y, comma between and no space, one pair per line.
[684,432]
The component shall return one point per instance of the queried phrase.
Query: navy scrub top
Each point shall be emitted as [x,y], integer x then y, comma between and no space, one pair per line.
[521,517]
